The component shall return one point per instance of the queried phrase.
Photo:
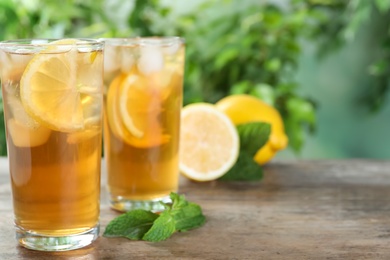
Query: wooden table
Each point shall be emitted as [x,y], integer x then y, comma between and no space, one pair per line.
[301,210]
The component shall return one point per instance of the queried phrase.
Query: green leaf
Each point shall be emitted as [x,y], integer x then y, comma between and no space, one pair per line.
[265,92]
[295,133]
[241,87]
[180,215]
[301,111]
[383,5]
[245,169]
[178,201]
[162,228]
[253,136]
[379,68]
[225,56]
[132,225]
[273,65]
[188,217]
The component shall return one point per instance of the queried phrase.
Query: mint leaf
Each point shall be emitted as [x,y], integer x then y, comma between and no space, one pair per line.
[180,215]
[132,225]
[188,217]
[252,136]
[163,227]
[178,201]
[245,169]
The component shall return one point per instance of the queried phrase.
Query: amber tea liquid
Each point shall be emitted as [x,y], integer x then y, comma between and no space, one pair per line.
[53,103]
[56,192]
[143,99]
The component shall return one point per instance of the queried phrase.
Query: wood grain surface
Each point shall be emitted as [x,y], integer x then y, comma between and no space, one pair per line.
[300,210]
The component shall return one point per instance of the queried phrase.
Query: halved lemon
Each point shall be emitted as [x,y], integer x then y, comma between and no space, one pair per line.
[50,90]
[134,107]
[209,142]
[244,109]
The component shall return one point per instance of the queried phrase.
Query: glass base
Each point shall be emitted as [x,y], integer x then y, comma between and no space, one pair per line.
[123,204]
[32,240]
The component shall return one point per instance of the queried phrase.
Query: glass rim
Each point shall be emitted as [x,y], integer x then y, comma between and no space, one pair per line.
[44,42]
[144,41]
[35,45]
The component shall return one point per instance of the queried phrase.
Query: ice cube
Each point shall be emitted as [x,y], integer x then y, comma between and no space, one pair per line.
[13,65]
[151,60]
[111,59]
[23,136]
[89,67]
[77,137]
[20,61]
[127,59]
[92,105]
[172,48]
[4,64]
[92,121]
[20,114]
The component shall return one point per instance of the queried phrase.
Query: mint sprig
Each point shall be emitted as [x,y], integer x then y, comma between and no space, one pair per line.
[180,215]
[187,215]
[162,228]
[252,136]
[132,225]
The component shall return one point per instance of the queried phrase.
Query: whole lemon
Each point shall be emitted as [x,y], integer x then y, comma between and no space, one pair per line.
[244,109]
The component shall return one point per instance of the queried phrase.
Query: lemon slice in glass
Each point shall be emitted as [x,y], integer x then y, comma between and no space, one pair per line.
[134,107]
[48,88]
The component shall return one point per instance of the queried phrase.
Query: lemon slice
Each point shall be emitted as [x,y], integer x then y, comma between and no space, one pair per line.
[134,106]
[112,113]
[49,87]
[127,119]
[209,143]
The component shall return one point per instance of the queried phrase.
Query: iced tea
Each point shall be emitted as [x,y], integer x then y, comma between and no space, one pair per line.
[52,95]
[143,97]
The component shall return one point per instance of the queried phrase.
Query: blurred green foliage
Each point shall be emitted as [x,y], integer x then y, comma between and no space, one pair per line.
[233,46]
[254,49]
[342,24]
[379,70]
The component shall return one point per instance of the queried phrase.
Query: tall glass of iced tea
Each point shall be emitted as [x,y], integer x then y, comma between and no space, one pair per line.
[53,105]
[143,98]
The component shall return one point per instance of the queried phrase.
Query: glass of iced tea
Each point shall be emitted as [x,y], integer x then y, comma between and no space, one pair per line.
[143,98]
[53,106]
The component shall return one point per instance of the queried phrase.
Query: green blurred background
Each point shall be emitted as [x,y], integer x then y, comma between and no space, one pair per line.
[324,64]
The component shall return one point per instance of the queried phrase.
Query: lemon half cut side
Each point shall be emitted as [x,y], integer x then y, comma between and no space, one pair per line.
[209,143]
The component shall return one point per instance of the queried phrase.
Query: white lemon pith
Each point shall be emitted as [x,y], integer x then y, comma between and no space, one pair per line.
[209,142]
